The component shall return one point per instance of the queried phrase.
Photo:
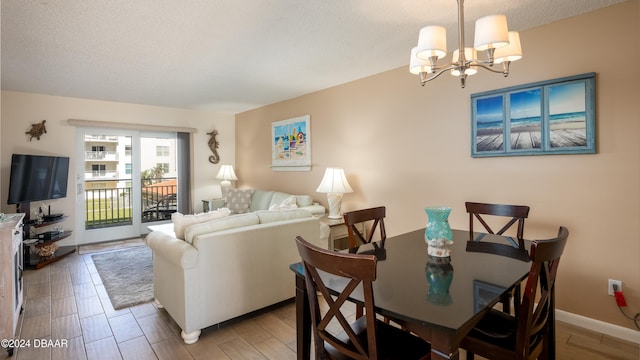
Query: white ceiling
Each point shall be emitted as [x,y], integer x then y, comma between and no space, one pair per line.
[228,55]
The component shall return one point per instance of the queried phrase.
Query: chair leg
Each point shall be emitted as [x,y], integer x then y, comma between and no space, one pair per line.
[506,303]
[359,311]
[516,299]
[506,300]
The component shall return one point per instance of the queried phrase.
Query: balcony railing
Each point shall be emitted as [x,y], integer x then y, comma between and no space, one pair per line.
[101,138]
[102,175]
[113,206]
[101,155]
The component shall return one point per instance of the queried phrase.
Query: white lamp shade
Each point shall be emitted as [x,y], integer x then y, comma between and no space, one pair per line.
[511,52]
[226,173]
[491,32]
[334,181]
[417,65]
[432,41]
[469,54]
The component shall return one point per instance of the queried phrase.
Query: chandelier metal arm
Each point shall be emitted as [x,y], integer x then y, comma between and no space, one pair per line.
[424,78]
[504,71]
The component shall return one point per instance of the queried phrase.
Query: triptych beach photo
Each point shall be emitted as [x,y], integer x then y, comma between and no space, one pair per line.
[541,118]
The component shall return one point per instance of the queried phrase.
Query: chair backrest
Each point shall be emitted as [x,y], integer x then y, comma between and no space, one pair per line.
[356,269]
[515,213]
[533,314]
[374,215]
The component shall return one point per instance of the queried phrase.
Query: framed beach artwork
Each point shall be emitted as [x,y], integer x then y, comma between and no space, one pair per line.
[548,117]
[291,144]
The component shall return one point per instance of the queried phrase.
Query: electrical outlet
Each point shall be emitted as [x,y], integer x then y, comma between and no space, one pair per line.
[612,282]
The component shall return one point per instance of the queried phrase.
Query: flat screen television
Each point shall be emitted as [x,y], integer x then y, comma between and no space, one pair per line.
[36,178]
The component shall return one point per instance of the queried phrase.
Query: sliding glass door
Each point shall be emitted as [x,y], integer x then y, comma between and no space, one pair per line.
[127,180]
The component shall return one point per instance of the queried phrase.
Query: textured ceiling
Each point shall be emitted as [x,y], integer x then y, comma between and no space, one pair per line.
[228,55]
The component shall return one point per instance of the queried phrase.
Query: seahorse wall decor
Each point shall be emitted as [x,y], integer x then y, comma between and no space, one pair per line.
[37,130]
[213,145]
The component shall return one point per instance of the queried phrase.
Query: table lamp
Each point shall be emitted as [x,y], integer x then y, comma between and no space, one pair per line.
[226,174]
[334,183]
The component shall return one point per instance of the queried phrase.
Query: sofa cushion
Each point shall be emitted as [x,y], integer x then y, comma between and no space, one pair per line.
[277,198]
[239,200]
[274,216]
[230,222]
[287,204]
[261,199]
[304,200]
[181,222]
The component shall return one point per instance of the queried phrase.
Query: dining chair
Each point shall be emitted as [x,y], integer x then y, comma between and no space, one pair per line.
[481,212]
[373,215]
[529,334]
[365,338]
[515,249]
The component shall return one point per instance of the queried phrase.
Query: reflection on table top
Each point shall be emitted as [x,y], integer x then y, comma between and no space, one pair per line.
[402,290]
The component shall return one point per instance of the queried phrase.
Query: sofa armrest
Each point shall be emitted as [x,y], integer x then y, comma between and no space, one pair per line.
[176,251]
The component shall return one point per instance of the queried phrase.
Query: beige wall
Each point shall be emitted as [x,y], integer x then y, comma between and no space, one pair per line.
[20,110]
[407,146]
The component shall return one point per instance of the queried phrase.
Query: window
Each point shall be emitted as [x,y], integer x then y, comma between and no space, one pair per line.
[163,166]
[99,169]
[127,151]
[162,151]
[97,152]
[127,169]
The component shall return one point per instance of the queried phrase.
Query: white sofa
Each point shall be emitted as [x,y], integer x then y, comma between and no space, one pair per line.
[246,200]
[229,266]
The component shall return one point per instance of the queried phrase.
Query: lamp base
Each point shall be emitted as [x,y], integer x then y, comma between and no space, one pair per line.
[224,187]
[335,204]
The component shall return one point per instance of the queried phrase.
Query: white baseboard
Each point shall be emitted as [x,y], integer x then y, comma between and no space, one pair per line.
[599,326]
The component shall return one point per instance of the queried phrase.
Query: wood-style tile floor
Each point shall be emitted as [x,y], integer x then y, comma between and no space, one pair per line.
[66,301]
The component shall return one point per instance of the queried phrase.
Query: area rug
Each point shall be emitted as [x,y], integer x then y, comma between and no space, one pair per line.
[127,275]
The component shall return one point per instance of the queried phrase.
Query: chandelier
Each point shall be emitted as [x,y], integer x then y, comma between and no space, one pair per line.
[491,37]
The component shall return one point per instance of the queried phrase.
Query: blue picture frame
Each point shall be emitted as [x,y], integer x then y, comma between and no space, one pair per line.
[548,117]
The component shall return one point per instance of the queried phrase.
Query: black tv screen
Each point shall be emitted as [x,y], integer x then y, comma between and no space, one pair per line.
[35,178]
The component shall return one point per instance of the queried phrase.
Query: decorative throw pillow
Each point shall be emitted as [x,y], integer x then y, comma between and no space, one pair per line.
[304,200]
[287,204]
[181,222]
[238,201]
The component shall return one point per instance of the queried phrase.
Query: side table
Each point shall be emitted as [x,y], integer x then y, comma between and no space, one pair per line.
[213,204]
[338,235]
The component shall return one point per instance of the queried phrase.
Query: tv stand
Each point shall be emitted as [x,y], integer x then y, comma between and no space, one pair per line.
[35,261]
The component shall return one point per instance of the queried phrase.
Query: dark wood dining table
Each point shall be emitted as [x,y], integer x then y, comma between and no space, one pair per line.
[439,299]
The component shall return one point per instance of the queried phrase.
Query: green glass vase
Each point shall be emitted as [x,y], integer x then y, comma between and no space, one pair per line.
[438,233]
